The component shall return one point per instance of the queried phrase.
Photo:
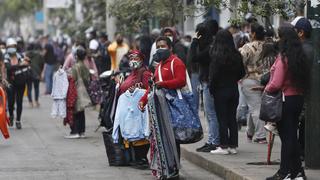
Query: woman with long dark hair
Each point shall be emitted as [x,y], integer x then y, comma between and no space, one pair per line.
[289,74]
[226,69]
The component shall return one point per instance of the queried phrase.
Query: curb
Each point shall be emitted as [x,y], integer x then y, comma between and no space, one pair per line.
[211,166]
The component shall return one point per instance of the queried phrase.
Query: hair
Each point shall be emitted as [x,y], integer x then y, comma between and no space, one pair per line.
[213,26]
[307,34]
[223,51]
[259,30]
[290,47]
[164,38]
[81,53]
[203,30]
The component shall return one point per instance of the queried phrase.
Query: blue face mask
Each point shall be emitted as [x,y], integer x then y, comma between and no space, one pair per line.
[12,51]
[162,55]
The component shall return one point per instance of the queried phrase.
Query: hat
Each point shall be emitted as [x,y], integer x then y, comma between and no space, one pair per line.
[133,54]
[11,42]
[303,23]
[93,45]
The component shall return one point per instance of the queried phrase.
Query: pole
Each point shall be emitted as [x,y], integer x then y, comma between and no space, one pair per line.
[45,17]
[312,128]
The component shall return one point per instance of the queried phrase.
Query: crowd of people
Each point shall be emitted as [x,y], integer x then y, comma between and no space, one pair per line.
[228,70]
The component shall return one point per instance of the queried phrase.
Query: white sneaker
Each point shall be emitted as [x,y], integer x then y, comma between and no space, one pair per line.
[233,151]
[271,127]
[72,136]
[83,136]
[219,150]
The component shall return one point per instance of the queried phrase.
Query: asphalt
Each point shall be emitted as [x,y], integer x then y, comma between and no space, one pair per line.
[39,152]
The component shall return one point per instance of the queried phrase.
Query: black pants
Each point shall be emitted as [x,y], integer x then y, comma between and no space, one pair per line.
[15,95]
[226,102]
[35,84]
[288,127]
[79,123]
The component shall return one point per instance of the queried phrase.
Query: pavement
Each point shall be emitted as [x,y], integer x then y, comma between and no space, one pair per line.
[39,152]
[237,167]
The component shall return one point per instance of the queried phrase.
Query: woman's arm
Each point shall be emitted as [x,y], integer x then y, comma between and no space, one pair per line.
[278,76]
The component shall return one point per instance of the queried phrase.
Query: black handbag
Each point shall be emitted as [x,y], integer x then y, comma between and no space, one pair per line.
[117,156]
[271,106]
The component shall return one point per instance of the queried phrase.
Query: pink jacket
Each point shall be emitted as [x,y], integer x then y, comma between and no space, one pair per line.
[280,79]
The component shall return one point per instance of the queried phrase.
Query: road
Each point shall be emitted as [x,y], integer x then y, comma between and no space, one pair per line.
[39,152]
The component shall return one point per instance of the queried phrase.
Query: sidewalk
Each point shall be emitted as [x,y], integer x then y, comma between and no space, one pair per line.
[235,167]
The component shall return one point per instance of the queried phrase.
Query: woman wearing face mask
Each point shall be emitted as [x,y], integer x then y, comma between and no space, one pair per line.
[170,80]
[16,69]
[138,78]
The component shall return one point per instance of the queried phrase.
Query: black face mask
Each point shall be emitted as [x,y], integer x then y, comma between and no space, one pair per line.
[161,55]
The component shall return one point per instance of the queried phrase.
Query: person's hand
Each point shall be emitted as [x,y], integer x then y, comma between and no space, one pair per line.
[158,85]
[257,88]
[141,106]
[42,76]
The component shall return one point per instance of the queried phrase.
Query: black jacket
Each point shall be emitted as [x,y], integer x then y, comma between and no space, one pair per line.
[226,75]
[200,54]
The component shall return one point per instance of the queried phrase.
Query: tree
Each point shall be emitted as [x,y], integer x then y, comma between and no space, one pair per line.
[131,15]
[14,10]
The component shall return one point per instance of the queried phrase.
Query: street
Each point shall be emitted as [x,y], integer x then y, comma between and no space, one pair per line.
[39,151]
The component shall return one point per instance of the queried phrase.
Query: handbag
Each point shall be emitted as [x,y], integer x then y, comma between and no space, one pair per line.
[83,99]
[95,92]
[271,106]
[184,115]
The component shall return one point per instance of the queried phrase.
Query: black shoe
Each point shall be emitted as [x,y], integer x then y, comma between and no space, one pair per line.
[18,125]
[279,176]
[300,176]
[207,148]
[11,121]
[141,164]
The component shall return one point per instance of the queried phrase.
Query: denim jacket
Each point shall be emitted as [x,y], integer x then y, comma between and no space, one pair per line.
[133,124]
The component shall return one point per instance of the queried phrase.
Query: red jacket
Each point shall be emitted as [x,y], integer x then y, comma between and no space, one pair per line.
[141,75]
[170,80]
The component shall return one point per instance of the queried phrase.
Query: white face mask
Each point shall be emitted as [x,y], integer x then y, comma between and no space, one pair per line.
[171,38]
[3,51]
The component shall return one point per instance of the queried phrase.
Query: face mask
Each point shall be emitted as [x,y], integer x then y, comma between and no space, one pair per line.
[11,51]
[171,38]
[88,36]
[3,51]
[135,64]
[74,51]
[161,55]
[186,44]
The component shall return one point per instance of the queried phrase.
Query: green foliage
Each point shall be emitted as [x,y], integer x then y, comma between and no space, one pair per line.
[15,9]
[133,14]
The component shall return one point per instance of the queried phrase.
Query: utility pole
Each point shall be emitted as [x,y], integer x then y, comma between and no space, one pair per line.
[45,17]
[312,129]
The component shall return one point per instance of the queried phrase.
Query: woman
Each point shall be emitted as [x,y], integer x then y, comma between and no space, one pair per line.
[36,63]
[79,70]
[226,69]
[289,74]
[251,53]
[168,80]
[138,78]
[17,75]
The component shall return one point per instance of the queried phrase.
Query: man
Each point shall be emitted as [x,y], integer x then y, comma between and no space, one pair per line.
[200,55]
[104,58]
[117,50]
[304,29]
[50,66]
[251,55]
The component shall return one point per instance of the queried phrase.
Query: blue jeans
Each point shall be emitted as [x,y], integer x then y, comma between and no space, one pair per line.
[35,84]
[211,116]
[195,88]
[48,77]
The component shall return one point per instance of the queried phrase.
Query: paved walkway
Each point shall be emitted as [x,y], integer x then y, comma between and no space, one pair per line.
[39,152]
[235,167]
